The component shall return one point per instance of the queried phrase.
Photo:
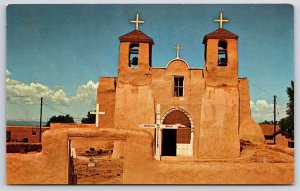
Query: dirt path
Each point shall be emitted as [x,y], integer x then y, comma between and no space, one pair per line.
[256,165]
[105,171]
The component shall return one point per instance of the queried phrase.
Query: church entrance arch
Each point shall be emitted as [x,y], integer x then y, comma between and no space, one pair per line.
[177,142]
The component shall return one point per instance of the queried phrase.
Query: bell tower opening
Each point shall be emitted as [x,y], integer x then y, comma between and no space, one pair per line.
[222,53]
[133,55]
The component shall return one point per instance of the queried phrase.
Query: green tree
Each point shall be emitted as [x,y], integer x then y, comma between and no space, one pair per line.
[267,122]
[60,119]
[287,124]
[89,119]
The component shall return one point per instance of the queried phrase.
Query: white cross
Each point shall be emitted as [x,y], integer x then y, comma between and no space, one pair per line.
[97,113]
[137,22]
[221,21]
[177,48]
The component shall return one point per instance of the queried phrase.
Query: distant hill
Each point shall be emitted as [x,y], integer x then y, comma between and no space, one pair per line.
[25,123]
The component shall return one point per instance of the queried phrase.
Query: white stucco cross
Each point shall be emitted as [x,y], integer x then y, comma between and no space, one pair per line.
[177,48]
[221,20]
[137,22]
[97,113]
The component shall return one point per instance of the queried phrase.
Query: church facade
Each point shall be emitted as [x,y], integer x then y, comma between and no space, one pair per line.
[190,112]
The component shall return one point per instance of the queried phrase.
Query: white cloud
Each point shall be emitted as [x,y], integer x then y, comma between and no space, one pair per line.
[86,93]
[261,110]
[262,103]
[22,93]
[30,93]
[251,104]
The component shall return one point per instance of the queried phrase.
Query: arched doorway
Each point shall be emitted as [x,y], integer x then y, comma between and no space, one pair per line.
[177,142]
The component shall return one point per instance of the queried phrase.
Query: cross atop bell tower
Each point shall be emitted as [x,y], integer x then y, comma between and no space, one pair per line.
[137,22]
[221,20]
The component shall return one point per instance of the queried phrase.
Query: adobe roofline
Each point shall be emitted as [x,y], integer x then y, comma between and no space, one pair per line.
[166,68]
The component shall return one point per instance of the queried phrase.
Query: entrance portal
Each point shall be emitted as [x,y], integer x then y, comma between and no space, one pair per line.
[177,142]
[169,142]
[93,160]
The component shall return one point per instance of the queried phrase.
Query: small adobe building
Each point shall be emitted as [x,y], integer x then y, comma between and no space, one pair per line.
[191,112]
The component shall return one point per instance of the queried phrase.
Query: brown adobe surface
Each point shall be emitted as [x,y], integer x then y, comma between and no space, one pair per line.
[270,163]
[258,164]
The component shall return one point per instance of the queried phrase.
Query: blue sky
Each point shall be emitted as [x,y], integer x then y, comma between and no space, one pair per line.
[59,51]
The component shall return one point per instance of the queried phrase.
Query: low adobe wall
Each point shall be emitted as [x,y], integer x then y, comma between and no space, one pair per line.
[249,129]
[51,165]
[139,166]
[23,147]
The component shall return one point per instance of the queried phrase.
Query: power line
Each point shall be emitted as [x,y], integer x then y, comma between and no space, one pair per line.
[265,91]
[54,109]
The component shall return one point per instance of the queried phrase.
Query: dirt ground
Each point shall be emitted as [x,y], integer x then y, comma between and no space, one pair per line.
[102,169]
[257,164]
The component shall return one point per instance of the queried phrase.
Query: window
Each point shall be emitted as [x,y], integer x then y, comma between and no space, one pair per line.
[133,55]
[33,132]
[178,86]
[222,53]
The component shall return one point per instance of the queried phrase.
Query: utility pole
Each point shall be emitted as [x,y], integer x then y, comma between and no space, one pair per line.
[274,119]
[41,113]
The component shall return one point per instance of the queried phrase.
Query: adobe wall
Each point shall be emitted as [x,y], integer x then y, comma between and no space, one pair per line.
[163,84]
[134,106]
[46,167]
[51,165]
[13,147]
[106,93]
[281,140]
[18,133]
[139,167]
[70,125]
[219,123]
[249,129]
[194,87]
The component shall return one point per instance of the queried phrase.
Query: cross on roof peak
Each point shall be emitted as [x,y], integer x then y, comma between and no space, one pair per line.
[177,48]
[137,22]
[221,20]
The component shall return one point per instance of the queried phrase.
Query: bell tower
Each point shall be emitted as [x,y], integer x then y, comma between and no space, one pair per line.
[135,56]
[221,56]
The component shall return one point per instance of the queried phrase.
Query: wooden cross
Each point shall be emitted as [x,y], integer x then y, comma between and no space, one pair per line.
[97,113]
[137,22]
[221,21]
[177,48]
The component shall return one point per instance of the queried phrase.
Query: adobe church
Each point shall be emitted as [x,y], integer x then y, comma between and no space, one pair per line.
[190,112]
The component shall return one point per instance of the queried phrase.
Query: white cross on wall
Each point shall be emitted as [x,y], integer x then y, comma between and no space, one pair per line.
[97,113]
[221,21]
[137,22]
